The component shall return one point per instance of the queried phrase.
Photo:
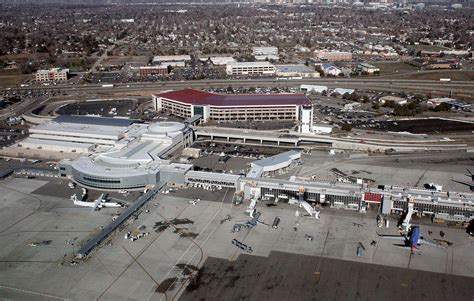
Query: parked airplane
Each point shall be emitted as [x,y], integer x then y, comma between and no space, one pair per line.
[411,240]
[254,221]
[99,203]
[471,185]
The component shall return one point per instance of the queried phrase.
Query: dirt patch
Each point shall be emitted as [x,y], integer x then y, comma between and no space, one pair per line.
[426,126]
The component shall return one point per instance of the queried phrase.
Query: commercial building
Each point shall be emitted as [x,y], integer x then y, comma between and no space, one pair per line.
[250,68]
[333,56]
[330,69]
[152,70]
[265,53]
[295,71]
[342,91]
[135,161]
[313,88]
[394,99]
[322,128]
[221,60]
[367,68]
[54,74]
[187,103]
[161,59]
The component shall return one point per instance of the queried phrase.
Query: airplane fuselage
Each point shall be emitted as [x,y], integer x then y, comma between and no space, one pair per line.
[414,237]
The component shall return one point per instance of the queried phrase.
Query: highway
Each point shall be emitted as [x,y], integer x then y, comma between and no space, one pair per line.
[459,87]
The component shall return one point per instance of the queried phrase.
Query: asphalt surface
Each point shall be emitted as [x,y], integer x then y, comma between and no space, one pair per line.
[285,276]
[456,87]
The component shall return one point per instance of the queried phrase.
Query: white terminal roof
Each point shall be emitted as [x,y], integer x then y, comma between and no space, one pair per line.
[273,163]
[79,130]
[137,154]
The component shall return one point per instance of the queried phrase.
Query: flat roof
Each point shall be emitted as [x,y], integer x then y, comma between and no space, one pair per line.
[250,64]
[277,159]
[88,130]
[59,143]
[197,97]
[294,68]
[96,120]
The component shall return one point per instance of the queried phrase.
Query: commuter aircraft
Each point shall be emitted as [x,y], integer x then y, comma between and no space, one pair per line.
[99,203]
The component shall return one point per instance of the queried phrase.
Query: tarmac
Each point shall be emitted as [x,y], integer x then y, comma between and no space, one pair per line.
[185,237]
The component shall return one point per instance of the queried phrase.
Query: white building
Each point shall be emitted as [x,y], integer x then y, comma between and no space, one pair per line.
[264,53]
[342,91]
[333,56]
[77,134]
[221,60]
[54,74]
[295,71]
[135,161]
[368,68]
[322,129]
[313,88]
[306,119]
[171,60]
[396,100]
[248,68]
[172,64]
[330,69]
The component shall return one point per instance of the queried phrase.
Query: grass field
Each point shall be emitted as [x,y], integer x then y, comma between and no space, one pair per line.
[11,78]
[455,75]
[387,68]
[117,60]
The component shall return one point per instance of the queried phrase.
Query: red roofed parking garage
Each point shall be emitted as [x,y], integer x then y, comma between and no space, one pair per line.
[230,107]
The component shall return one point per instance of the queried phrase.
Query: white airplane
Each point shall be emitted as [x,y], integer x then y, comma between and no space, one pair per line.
[97,204]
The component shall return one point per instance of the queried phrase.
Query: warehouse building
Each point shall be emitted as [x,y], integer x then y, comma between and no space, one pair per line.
[187,103]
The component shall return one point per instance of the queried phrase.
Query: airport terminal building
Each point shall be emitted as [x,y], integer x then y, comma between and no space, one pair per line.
[187,103]
[137,160]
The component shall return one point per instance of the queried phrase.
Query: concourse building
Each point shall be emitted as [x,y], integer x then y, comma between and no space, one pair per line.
[136,161]
[187,103]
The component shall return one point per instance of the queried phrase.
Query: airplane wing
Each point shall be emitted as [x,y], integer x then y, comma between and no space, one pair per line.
[408,248]
[429,242]
[96,205]
[465,183]
[395,237]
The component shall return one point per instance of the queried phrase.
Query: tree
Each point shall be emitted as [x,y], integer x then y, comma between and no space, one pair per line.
[346,127]
[443,107]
